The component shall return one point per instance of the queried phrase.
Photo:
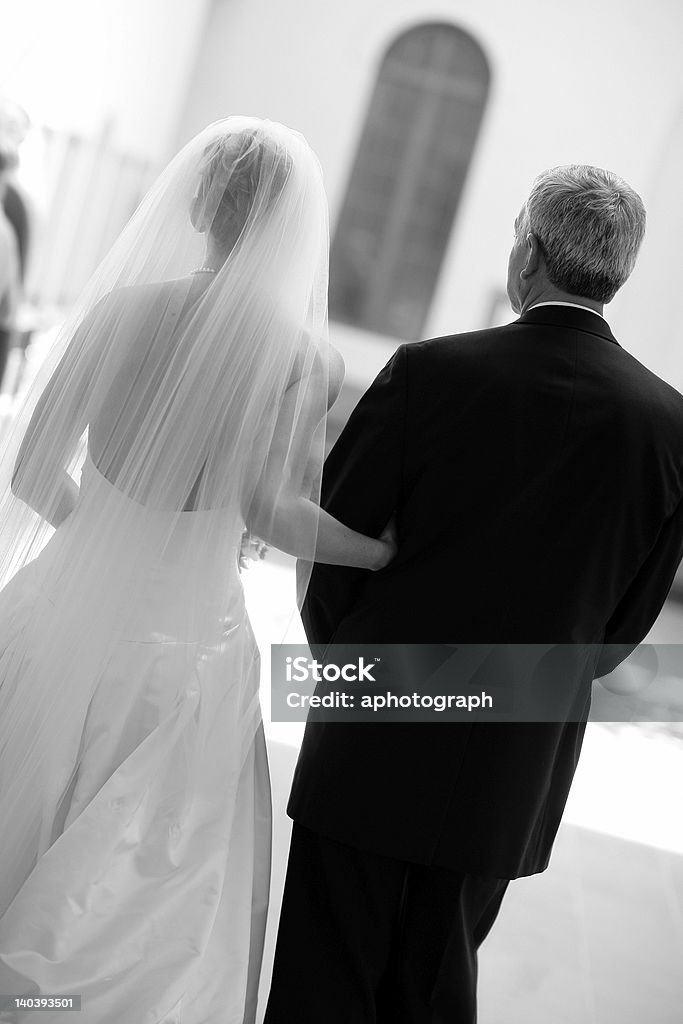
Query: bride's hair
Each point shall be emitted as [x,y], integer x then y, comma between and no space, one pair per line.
[234,168]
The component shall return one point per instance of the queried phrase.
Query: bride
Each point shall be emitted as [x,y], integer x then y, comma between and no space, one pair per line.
[187,394]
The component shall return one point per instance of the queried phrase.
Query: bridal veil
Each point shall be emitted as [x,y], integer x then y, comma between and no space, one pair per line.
[165,390]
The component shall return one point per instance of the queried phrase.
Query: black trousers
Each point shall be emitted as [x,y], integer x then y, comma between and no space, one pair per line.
[366,939]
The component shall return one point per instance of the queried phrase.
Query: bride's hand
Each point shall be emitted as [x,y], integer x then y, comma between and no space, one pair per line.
[389,540]
[251,549]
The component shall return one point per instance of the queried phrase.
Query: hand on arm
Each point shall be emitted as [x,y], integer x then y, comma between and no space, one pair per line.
[280,513]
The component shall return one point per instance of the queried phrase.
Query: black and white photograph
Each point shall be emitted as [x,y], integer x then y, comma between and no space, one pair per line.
[341,512]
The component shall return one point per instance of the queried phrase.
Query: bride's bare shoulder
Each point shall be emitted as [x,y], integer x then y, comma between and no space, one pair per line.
[128,300]
[137,295]
[327,365]
[336,363]
[336,372]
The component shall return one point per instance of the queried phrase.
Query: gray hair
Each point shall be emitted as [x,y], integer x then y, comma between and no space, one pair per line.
[589,224]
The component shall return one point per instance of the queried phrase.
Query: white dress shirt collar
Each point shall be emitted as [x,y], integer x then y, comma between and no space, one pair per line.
[576,305]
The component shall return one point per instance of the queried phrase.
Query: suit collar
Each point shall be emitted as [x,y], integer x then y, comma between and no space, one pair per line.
[569,317]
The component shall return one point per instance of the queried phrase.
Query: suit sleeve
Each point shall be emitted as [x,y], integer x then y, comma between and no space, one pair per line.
[641,604]
[360,486]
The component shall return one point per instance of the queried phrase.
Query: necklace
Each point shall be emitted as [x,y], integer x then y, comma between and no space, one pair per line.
[204,270]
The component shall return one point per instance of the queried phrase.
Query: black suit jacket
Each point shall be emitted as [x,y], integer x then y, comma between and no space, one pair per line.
[537,474]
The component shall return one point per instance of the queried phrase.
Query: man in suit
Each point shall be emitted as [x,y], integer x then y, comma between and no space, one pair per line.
[536,475]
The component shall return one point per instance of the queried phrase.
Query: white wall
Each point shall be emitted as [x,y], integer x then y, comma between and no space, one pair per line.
[649,310]
[598,81]
[78,65]
[102,81]
[594,81]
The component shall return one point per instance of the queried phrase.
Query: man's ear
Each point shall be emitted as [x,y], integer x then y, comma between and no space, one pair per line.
[533,258]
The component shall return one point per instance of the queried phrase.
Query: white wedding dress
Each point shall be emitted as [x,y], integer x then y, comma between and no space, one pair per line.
[150,899]
[134,792]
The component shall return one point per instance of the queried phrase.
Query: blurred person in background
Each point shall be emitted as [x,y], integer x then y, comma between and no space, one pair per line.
[14,126]
[189,389]
[536,474]
[15,229]
[10,255]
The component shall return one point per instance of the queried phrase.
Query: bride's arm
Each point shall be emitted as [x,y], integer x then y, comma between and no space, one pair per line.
[54,507]
[43,482]
[283,517]
[51,493]
[295,520]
